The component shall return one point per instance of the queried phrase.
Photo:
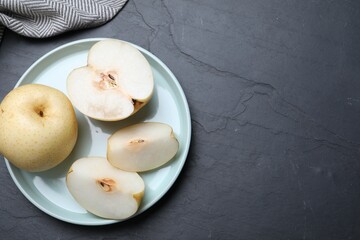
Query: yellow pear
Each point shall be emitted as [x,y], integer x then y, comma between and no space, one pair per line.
[38,127]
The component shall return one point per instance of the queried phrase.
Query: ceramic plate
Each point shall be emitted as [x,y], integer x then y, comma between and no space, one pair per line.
[47,190]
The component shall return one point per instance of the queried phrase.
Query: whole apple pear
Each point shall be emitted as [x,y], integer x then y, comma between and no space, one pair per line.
[38,127]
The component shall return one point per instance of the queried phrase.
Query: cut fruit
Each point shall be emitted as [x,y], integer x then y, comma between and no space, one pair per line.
[104,190]
[142,147]
[116,83]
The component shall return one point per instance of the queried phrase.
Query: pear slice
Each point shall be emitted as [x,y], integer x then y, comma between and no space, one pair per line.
[104,190]
[116,82]
[142,147]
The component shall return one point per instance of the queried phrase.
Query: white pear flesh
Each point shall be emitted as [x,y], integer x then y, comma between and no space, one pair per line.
[38,127]
[104,190]
[142,147]
[116,82]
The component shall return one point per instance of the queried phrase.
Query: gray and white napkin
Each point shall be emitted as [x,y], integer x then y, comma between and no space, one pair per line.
[46,18]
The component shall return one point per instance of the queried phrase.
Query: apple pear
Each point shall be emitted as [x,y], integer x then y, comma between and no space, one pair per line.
[142,147]
[38,127]
[104,190]
[116,82]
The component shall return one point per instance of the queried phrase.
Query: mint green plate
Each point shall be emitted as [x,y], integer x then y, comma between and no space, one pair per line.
[47,190]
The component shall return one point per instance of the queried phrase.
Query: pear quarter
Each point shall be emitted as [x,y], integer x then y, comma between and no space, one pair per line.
[104,190]
[142,147]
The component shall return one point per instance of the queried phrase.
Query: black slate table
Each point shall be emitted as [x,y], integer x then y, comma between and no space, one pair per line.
[274,92]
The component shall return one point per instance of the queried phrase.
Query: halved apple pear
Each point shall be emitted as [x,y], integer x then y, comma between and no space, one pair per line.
[116,82]
[142,147]
[104,190]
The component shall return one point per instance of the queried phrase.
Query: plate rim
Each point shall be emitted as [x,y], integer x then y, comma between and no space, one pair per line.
[104,221]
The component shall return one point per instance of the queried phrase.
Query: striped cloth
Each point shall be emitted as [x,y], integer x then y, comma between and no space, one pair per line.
[46,18]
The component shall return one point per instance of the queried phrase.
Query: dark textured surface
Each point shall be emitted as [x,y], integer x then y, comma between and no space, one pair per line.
[274,92]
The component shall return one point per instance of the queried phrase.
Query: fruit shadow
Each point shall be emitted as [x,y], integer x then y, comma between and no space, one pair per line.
[81,149]
[90,128]
[146,113]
